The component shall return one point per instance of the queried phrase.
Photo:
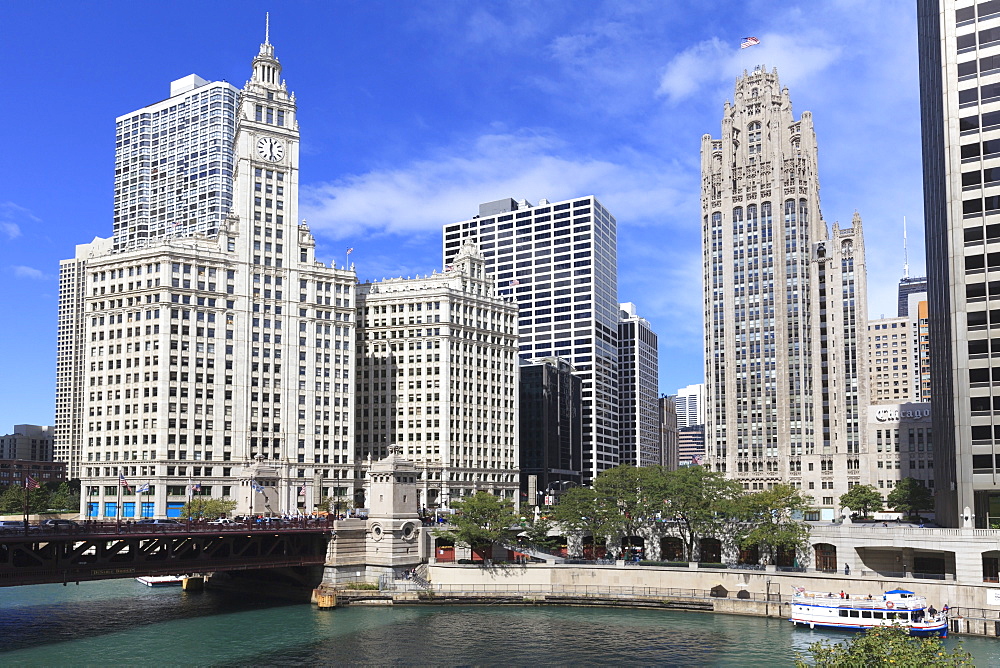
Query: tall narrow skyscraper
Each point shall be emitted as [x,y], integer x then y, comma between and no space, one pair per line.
[959,62]
[786,378]
[638,382]
[559,262]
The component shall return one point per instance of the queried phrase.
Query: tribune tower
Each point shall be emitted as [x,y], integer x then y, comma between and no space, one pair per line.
[784,305]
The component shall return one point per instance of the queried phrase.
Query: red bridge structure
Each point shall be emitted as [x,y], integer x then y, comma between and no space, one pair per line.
[105,550]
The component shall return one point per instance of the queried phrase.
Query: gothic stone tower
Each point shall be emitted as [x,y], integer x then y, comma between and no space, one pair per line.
[784,305]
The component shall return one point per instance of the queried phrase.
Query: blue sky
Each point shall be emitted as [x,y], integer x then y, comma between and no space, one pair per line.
[412,113]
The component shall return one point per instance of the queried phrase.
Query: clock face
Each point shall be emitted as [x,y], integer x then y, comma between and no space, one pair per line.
[270,149]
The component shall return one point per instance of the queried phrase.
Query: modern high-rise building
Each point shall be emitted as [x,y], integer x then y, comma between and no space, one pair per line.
[668,432]
[959,44]
[908,286]
[174,163]
[559,262]
[691,445]
[214,345]
[785,305]
[638,383]
[690,405]
[551,430]
[437,376]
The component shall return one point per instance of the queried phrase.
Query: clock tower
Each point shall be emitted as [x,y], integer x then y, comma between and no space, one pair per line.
[267,152]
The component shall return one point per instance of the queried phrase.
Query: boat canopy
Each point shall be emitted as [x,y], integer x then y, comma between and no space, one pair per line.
[900,591]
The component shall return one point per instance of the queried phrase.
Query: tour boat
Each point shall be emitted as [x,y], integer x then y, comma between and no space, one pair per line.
[844,611]
[161,580]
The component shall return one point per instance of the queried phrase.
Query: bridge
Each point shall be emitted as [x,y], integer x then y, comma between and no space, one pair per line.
[107,550]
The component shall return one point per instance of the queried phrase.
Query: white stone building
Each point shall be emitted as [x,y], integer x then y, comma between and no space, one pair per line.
[437,375]
[785,305]
[185,355]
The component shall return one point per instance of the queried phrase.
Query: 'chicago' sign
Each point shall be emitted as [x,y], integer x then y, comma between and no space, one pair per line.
[897,414]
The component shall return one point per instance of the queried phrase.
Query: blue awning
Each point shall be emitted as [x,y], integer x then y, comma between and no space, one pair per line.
[900,591]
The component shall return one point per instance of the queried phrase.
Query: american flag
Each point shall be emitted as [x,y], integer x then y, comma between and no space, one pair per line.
[515,282]
[122,482]
[302,490]
[748,42]
[350,250]
[196,487]
[30,483]
[697,460]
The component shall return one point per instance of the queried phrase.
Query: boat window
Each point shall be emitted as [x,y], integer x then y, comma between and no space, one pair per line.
[890,615]
[866,614]
[843,613]
[903,615]
[854,613]
[878,614]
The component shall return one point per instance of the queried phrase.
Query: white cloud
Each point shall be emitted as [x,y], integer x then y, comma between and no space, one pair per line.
[430,192]
[13,217]
[12,230]
[711,62]
[22,271]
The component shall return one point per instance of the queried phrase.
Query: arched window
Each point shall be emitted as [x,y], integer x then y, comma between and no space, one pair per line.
[753,138]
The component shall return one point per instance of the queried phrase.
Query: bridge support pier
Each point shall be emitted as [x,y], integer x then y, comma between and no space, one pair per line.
[193,584]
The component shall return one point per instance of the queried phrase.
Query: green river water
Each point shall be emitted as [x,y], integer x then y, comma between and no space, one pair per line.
[123,623]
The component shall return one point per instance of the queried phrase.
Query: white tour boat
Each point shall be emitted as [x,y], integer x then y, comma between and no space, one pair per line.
[161,580]
[844,611]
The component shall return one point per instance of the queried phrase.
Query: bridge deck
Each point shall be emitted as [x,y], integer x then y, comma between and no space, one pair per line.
[96,552]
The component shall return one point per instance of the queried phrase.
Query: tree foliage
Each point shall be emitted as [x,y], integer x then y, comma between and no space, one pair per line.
[481,520]
[862,499]
[49,496]
[771,520]
[697,503]
[910,497]
[628,497]
[206,508]
[883,646]
[581,510]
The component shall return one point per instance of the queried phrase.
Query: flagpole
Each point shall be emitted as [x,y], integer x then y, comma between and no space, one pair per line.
[27,499]
[118,508]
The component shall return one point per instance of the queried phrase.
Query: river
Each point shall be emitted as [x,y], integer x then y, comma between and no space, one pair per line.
[121,622]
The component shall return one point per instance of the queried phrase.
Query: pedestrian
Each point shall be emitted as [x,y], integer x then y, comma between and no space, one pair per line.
[847,569]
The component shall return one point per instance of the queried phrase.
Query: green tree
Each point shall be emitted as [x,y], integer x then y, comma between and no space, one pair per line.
[481,520]
[584,512]
[771,520]
[698,503]
[536,532]
[12,499]
[910,497]
[883,646]
[630,498]
[862,499]
[207,508]
[66,496]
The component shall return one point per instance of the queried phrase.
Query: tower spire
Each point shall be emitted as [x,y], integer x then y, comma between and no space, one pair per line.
[267,27]
[906,263]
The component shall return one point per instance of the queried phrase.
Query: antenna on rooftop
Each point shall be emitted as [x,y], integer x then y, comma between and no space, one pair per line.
[906,263]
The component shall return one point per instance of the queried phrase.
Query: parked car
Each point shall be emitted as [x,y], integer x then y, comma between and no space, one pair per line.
[152,521]
[11,526]
[59,525]
[223,521]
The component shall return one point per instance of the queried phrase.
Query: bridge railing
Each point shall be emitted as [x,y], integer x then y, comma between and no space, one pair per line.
[90,528]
